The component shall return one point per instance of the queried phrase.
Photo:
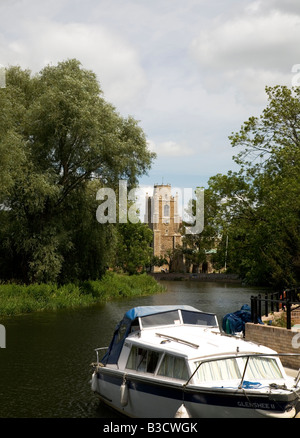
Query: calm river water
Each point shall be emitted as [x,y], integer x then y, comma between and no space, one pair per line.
[45,367]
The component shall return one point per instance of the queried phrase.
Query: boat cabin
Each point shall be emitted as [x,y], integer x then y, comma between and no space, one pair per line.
[139,319]
[161,356]
[164,342]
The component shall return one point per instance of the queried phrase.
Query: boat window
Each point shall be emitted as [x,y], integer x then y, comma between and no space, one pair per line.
[262,368]
[258,368]
[143,360]
[135,326]
[165,318]
[174,318]
[224,369]
[173,366]
[198,318]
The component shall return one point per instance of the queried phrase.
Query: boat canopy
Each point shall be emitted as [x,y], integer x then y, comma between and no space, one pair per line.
[125,326]
[138,312]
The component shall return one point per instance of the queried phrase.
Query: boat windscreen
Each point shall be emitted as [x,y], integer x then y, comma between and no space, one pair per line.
[165,318]
[174,318]
[199,318]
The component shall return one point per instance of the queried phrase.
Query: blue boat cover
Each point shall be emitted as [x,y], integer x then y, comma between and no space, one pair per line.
[235,322]
[138,312]
[124,326]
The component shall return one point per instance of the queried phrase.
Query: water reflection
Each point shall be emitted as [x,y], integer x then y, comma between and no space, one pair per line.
[45,368]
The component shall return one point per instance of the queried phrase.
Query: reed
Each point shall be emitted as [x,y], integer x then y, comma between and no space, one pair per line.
[19,299]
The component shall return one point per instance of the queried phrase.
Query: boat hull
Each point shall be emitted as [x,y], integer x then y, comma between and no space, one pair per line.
[141,397]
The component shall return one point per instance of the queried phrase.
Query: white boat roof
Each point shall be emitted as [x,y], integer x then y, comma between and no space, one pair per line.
[194,341]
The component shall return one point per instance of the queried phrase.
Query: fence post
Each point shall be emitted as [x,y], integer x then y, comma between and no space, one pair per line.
[288,315]
[254,309]
[266,305]
[258,306]
[272,302]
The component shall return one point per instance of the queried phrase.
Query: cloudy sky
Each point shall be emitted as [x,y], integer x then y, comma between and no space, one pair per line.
[190,71]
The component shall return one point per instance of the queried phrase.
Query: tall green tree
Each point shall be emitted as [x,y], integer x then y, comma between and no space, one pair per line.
[134,252]
[61,140]
[260,204]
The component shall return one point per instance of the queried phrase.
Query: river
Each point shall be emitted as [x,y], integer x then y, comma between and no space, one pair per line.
[45,367]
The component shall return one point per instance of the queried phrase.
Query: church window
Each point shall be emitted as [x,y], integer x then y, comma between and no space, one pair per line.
[167,210]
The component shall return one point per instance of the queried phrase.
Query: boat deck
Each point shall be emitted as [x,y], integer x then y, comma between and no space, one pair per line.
[194,341]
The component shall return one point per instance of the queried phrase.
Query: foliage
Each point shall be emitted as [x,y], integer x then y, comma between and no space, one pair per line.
[60,141]
[134,251]
[17,299]
[259,206]
[159,261]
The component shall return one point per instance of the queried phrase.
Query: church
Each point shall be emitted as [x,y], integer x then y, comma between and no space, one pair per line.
[161,214]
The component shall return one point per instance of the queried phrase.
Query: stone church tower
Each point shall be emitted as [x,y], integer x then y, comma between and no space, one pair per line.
[161,214]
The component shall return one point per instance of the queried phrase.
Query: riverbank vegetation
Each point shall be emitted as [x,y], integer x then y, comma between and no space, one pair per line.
[19,299]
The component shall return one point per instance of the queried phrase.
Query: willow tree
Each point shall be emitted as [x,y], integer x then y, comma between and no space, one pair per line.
[62,140]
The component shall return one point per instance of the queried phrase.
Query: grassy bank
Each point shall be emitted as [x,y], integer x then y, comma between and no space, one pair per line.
[17,299]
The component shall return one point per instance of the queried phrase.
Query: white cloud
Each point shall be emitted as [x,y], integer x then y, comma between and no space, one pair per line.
[192,72]
[114,61]
[170,149]
[249,51]
[286,6]
[254,42]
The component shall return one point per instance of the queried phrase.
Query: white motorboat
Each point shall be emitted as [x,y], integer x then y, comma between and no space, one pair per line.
[173,361]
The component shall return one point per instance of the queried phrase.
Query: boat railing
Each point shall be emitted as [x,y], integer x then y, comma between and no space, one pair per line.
[97,352]
[247,356]
[180,341]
